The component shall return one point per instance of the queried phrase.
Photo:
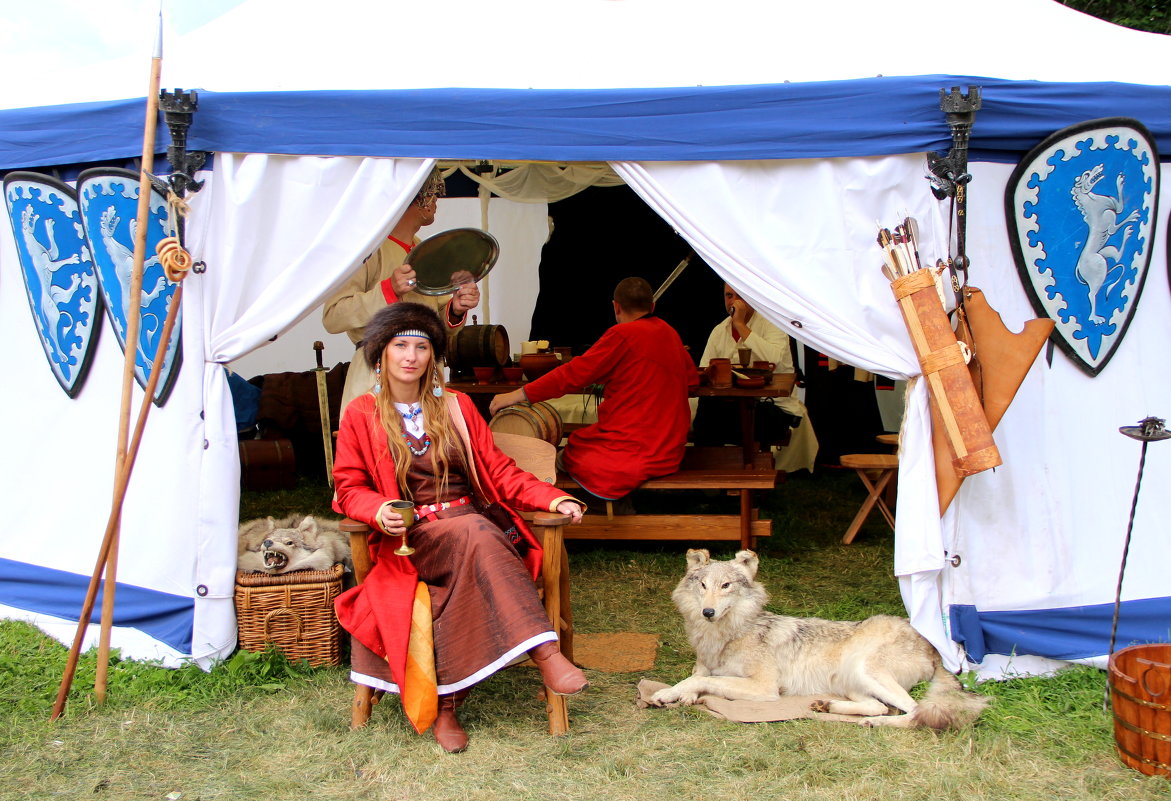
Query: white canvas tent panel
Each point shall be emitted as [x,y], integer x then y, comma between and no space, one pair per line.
[269,45]
[790,254]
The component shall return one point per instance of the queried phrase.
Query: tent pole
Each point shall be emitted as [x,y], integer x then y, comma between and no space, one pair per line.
[133,324]
[121,481]
[485,305]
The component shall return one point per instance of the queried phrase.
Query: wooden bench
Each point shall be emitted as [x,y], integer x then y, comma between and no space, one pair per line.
[703,468]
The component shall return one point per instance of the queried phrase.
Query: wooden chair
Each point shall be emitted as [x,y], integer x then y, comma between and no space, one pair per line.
[882,465]
[553,583]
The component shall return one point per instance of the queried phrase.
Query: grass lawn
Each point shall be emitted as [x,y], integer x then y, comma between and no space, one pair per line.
[258,727]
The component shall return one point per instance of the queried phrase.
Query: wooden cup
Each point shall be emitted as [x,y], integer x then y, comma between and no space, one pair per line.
[720,372]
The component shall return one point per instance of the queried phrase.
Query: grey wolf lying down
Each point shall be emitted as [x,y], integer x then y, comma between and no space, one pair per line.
[295,543]
[745,653]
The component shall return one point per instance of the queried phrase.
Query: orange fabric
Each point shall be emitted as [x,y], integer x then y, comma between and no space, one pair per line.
[420,694]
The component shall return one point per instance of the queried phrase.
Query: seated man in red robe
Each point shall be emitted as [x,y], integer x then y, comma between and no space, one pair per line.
[644,416]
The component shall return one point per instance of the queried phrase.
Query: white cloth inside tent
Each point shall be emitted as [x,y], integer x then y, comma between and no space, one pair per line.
[544,183]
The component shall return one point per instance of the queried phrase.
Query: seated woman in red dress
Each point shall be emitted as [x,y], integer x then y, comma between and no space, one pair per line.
[408,438]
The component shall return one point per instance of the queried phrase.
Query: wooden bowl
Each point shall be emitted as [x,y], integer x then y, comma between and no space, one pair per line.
[748,382]
[535,365]
[756,372]
[513,375]
[484,375]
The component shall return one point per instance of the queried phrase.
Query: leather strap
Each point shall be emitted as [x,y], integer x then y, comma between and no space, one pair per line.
[432,508]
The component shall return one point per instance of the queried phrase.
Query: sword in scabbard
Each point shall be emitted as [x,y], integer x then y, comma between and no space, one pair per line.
[674,274]
[323,405]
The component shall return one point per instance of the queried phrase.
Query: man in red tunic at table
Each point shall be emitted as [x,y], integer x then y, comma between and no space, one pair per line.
[644,415]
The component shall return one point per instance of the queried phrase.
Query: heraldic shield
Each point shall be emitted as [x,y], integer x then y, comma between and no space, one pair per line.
[108,198]
[1081,211]
[59,274]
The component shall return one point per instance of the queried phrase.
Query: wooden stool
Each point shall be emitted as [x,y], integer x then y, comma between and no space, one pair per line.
[885,465]
[892,487]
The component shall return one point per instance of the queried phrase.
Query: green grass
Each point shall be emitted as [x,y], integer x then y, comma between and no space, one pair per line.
[258,727]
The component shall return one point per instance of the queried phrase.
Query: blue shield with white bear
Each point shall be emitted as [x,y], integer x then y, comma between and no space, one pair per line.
[109,210]
[1081,211]
[59,275]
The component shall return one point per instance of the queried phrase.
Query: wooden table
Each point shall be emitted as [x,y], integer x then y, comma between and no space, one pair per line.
[781,387]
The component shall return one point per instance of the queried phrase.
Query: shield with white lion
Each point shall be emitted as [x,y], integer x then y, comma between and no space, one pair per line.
[108,198]
[59,275]
[1081,217]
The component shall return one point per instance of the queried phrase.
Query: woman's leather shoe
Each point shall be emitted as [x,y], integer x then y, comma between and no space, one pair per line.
[559,674]
[446,729]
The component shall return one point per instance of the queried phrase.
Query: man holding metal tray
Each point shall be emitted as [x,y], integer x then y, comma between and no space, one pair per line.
[387,276]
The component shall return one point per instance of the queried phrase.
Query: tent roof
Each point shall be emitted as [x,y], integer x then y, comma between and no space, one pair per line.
[592,80]
[865,117]
[272,45]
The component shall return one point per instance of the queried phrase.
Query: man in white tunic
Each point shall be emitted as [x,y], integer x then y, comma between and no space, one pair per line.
[744,328]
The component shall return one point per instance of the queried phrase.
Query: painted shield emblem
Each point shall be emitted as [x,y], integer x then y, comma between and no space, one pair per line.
[109,209]
[1081,211]
[59,274]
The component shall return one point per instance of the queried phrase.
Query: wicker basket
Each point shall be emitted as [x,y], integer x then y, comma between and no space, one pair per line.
[293,611]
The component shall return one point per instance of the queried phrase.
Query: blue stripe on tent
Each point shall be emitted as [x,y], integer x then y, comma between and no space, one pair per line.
[168,618]
[1071,632]
[864,117]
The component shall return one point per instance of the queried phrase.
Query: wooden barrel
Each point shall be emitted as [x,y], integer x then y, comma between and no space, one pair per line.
[1140,694]
[267,464]
[538,420]
[477,346]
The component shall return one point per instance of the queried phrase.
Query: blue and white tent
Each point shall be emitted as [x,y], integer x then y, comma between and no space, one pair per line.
[771,136]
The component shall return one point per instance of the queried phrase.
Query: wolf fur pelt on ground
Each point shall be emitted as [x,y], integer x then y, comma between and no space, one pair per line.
[745,653]
[298,542]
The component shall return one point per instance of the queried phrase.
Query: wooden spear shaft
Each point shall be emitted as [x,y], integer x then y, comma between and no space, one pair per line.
[133,324]
[121,481]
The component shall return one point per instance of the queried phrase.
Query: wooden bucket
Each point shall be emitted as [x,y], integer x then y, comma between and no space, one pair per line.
[477,346]
[538,420]
[1140,694]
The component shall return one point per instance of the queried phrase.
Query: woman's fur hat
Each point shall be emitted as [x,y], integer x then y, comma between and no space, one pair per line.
[392,320]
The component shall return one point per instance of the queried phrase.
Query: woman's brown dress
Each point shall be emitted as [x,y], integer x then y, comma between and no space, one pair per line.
[484,604]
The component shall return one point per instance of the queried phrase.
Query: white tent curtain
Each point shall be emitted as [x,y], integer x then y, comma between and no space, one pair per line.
[278,234]
[797,239]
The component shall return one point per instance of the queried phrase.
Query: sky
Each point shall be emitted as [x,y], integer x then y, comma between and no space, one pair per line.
[74,33]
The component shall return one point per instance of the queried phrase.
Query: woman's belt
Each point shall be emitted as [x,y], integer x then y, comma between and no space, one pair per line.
[432,508]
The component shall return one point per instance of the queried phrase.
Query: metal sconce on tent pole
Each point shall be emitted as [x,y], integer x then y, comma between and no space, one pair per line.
[178,109]
[1149,429]
[949,173]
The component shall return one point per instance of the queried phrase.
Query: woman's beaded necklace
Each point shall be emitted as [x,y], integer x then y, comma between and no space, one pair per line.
[411,414]
[418,451]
